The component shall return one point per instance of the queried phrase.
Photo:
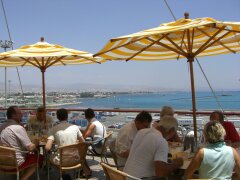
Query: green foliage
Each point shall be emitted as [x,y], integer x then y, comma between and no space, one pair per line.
[86,94]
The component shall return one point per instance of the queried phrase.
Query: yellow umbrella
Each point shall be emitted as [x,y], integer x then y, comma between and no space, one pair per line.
[43,55]
[184,38]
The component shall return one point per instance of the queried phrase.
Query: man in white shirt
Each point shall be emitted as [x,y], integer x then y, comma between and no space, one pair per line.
[95,130]
[127,133]
[149,152]
[65,134]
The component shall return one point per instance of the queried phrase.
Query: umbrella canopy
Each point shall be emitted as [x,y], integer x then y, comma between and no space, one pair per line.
[184,38]
[43,55]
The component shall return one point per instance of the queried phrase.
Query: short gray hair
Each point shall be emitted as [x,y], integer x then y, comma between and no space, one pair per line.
[214,132]
[166,111]
[168,122]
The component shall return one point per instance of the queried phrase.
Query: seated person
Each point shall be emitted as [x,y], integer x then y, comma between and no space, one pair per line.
[127,133]
[37,123]
[216,160]
[232,137]
[12,134]
[168,111]
[94,130]
[149,151]
[64,134]
[165,111]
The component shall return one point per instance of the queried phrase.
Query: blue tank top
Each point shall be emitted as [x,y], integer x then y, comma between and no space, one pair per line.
[218,162]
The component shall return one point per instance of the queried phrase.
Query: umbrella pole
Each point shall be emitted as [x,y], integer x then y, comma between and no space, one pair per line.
[190,60]
[5,88]
[43,92]
[43,89]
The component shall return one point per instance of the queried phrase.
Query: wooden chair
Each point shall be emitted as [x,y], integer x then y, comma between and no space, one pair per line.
[114,174]
[103,154]
[8,162]
[71,157]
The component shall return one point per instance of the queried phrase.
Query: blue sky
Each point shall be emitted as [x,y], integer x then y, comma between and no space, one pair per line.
[88,25]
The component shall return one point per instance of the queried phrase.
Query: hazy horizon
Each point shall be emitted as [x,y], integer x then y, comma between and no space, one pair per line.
[98,87]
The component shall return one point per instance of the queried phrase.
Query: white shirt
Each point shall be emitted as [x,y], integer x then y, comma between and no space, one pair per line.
[99,130]
[64,133]
[148,146]
[124,140]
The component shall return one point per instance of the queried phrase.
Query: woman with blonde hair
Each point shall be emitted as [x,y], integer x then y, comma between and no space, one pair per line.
[215,160]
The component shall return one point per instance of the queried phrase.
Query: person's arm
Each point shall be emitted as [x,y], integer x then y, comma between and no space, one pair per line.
[49,144]
[50,139]
[237,161]
[33,146]
[195,164]
[164,169]
[90,128]
[22,136]
[79,135]
[81,139]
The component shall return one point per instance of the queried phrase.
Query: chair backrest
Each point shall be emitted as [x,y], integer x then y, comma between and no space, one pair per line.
[8,159]
[72,155]
[105,144]
[114,174]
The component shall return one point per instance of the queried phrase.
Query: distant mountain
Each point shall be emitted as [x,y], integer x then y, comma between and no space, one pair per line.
[83,87]
[93,87]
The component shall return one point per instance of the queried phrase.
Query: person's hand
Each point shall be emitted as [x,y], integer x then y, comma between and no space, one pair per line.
[178,162]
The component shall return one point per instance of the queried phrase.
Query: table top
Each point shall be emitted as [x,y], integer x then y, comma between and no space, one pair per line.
[176,150]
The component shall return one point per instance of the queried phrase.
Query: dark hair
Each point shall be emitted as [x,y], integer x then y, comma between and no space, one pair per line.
[62,114]
[11,111]
[220,115]
[144,116]
[89,113]
[40,109]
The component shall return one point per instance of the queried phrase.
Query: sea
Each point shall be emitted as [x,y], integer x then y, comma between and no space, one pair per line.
[228,100]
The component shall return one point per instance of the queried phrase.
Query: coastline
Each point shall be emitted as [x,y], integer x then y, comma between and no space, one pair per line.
[179,100]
